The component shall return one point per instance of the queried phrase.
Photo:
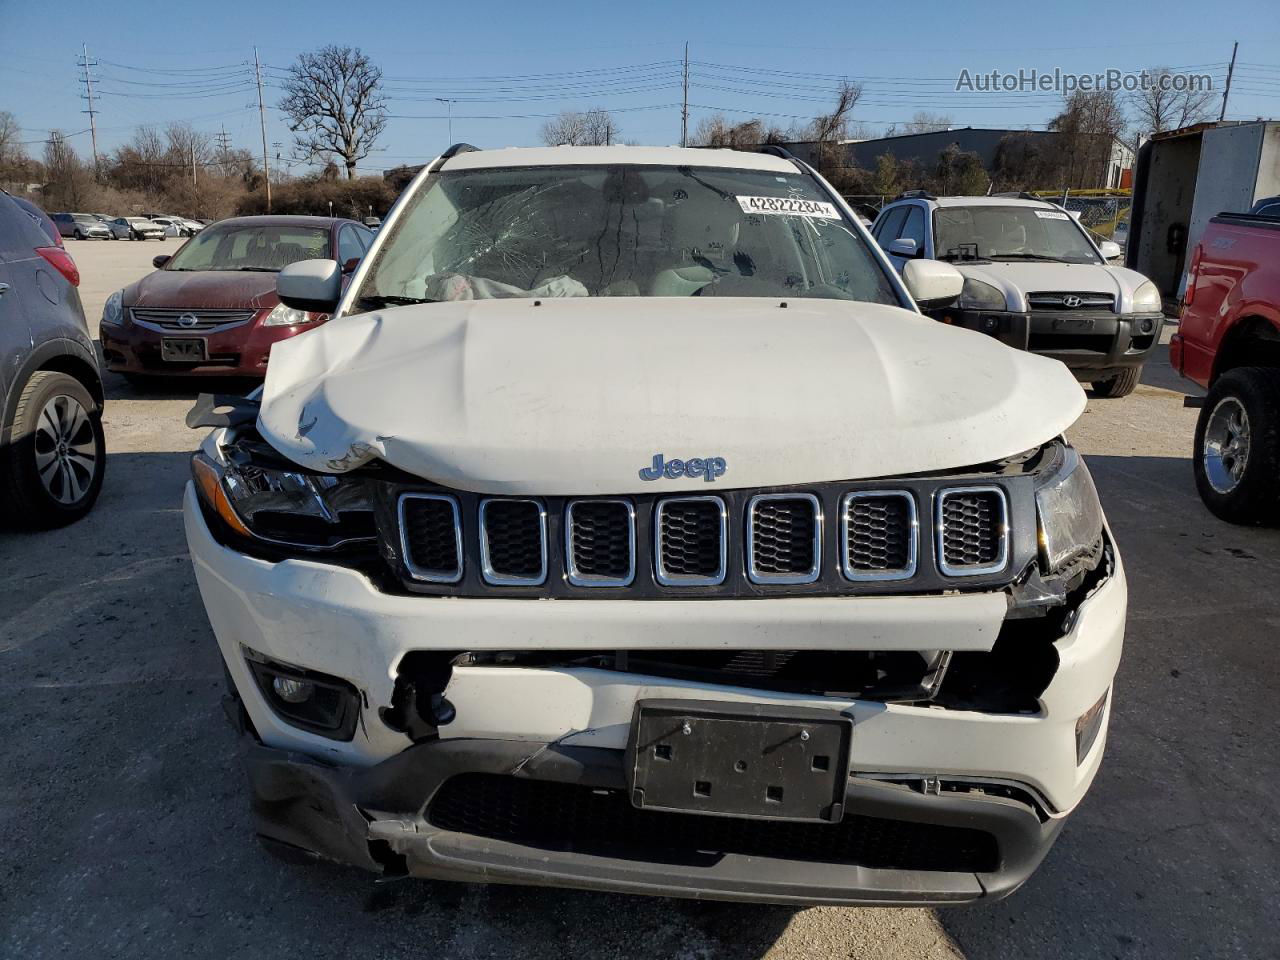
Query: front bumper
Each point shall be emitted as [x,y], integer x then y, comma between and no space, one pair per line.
[1087,341]
[348,800]
[239,352]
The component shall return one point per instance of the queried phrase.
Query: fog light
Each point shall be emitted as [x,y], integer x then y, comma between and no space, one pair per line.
[990,324]
[1088,727]
[1147,326]
[292,691]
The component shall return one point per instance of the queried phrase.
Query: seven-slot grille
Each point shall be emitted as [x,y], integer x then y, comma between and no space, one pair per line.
[205,320]
[878,535]
[784,538]
[973,530]
[600,540]
[690,541]
[781,541]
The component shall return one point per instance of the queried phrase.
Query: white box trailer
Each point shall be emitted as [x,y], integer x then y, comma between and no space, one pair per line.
[1184,178]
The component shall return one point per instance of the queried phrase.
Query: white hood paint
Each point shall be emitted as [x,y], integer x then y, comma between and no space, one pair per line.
[1016,279]
[576,396]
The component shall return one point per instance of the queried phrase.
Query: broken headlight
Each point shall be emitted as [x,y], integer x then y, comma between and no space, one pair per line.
[1069,513]
[289,508]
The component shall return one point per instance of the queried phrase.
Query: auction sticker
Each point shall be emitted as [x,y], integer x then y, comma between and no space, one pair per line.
[1051,215]
[789,207]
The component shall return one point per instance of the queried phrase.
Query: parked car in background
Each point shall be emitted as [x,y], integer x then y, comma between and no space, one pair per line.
[44,221]
[1228,340]
[81,226]
[1034,279]
[52,451]
[136,228]
[174,226]
[193,226]
[211,308]
[553,560]
[1266,207]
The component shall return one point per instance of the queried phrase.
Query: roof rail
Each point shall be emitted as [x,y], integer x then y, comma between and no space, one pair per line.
[777,150]
[914,195]
[1020,195]
[458,148]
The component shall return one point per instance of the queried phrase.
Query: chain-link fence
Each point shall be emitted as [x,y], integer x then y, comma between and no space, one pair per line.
[1100,213]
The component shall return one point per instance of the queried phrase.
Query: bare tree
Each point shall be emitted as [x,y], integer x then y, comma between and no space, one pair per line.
[1160,106]
[828,130]
[1089,125]
[593,128]
[334,102]
[716,131]
[925,122]
[15,164]
[67,180]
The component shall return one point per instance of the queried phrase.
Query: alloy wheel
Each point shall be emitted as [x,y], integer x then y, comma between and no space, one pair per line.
[66,450]
[1226,445]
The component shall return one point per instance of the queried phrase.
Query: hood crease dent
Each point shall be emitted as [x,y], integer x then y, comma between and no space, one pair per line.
[574,397]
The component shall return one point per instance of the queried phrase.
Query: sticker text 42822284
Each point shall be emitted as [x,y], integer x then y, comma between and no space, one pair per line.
[789,207]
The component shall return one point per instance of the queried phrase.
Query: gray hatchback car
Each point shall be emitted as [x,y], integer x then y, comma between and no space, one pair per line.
[52,453]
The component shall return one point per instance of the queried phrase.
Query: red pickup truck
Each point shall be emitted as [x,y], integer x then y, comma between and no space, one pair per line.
[1229,341]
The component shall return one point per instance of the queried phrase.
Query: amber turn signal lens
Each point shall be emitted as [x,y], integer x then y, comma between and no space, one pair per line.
[208,481]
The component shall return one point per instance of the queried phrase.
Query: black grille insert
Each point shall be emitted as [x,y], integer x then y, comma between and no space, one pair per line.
[879,536]
[784,538]
[691,540]
[513,541]
[582,819]
[972,530]
[429,525]
[601,543]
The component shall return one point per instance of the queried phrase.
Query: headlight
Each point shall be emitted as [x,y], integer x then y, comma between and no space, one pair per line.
[285,507]
[283,316]
[113,309]
[977,295]
[1146,299]
[1070,516]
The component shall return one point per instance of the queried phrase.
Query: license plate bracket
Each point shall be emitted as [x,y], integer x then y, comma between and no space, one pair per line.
[184,349]
[743,760]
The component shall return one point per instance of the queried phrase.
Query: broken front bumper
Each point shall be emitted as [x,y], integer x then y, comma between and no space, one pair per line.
[924,778]
[1086,341]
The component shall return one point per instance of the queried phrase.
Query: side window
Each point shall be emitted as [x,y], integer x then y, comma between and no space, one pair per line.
[349,247]
[887,226]
[913,229]
[366,237]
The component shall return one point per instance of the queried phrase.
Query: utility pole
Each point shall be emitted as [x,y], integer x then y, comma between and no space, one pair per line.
[88,95]
[224,144]
[684,109]
[262,120]
[1227,92]
[449,105]
[193,163]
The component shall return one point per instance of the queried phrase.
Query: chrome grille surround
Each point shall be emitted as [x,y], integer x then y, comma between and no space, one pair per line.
[572,572]
[941,529]
[167,319]
[486,554]
[666,577]
[808,576]
[427,575]
[1058,300]
[847,536]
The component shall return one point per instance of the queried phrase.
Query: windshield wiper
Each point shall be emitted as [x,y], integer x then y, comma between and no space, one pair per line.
[259,269]
[1027,256]
[390,300]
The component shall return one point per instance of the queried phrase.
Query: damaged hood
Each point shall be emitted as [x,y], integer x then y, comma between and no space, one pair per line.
[563,397]
[203,288]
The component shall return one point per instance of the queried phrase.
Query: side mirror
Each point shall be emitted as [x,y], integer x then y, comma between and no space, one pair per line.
[349,266]
[932,283]
[903,247]
[1109,249]
[311,285]
[160,261]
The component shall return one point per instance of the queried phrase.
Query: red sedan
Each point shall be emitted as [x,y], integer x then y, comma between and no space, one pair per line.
[211,309]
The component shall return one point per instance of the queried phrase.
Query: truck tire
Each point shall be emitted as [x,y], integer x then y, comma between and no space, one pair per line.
[1237,447]
[52,471]
[1121,385]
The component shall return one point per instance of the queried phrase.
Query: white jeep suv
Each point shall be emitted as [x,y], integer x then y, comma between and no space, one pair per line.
[1034,279]
[629,528]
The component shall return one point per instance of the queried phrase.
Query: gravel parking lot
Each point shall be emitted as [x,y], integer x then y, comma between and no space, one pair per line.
[126,830]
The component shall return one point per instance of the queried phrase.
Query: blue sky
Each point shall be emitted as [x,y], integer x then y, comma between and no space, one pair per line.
[503,65]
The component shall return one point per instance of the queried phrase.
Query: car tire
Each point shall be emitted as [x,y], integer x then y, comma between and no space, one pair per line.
[1237,447]
[78,235]
[52,471]
[1120,385]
